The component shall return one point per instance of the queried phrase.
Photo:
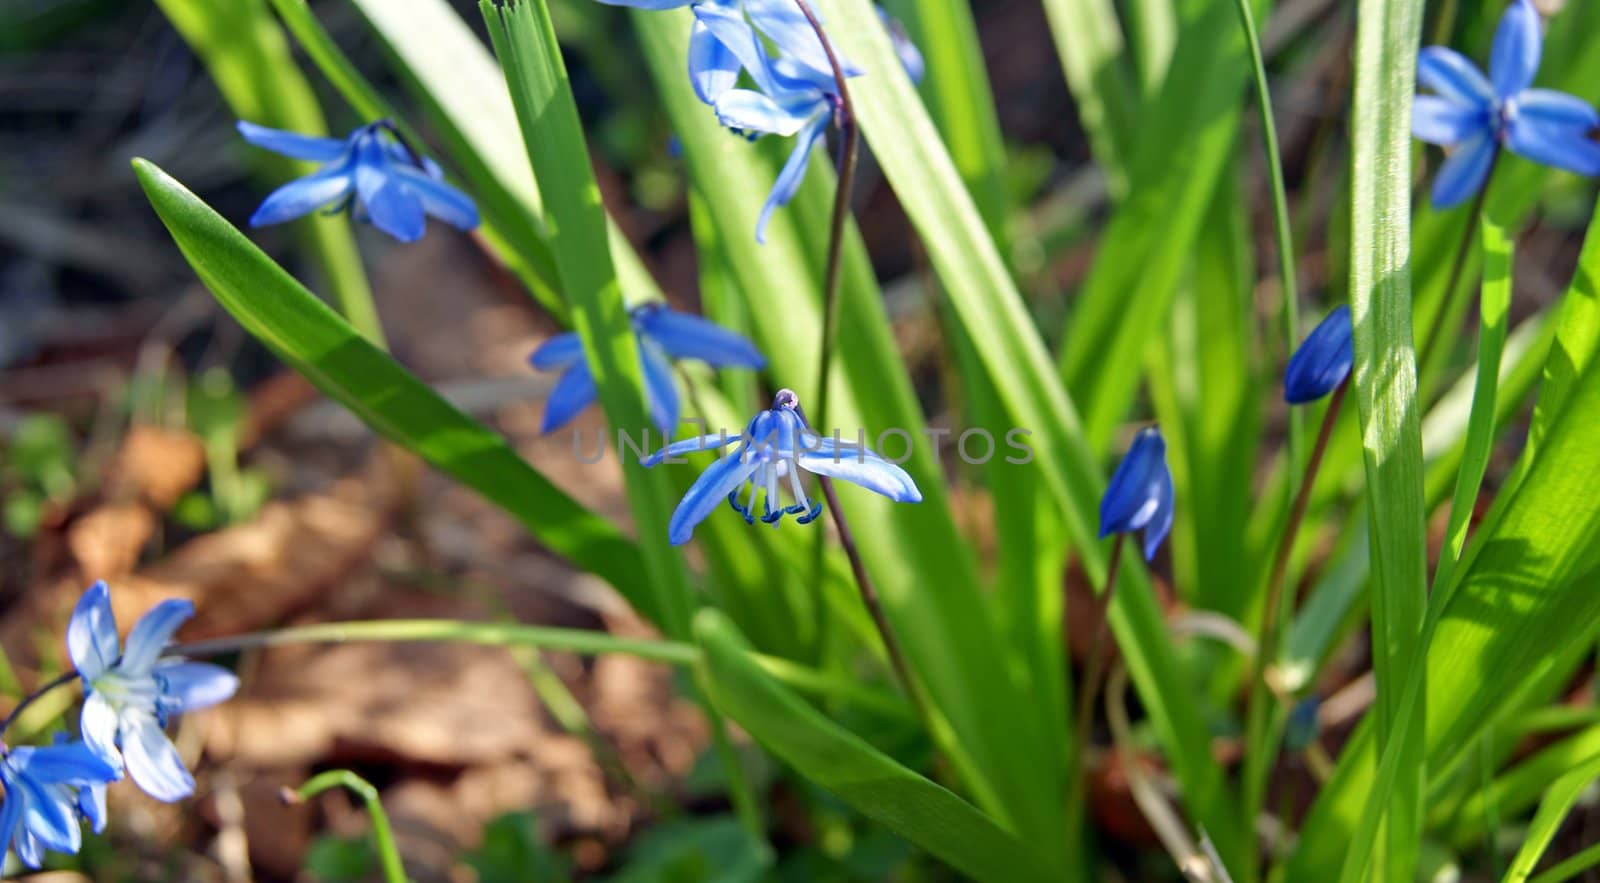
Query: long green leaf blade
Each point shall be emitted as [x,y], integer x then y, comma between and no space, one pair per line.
[1558,801]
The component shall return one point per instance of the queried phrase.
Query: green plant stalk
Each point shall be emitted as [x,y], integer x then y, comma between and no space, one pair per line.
[1435,346]
[1494,306]
[1263,727]
[1097,659]
[382,834]
[1571,867]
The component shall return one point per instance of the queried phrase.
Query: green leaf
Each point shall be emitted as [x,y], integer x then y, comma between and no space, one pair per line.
[1089,41]
[1558,801]
[906,803]
[1385,381]
[276,309]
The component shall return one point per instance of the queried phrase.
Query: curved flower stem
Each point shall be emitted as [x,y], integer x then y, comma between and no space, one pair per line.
[382,834]
[60,680]
[1096,662]
[489,633]
[849,150]
[1280,208]
[1260,715]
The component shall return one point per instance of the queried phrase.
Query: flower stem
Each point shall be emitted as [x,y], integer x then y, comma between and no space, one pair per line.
[849,150]
[382,834]
[60,680]
[1430,344]
[489,633]
[1095,666]
[1263,707]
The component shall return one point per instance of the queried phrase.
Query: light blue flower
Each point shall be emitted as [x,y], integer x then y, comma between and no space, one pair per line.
[1474,116]
[372,172]
[130,692]
[1140,494]
[47,789]
[663,334]
[910,56]
[773,448]
[1322,362]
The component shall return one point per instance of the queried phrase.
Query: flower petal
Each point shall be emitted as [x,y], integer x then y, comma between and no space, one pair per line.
[910,56]
[1322,361]
[794,171]
[10,810]
[689,446]
[293,144]
[573,392]
[1564,147]
[862,467]
[1161,523]
[47,815]
[92,633]
[1463,172]
[654,5]
[98,723]
[72,763]
[708,491]
[1442,121]
[756,112]
[152,633]
[1453,76]
[438,198]
[92,804]
[392,208]
[1551,108]
[1514,58]
[295,199]
[153,761]
[713,68]
[730,28]
[557,352]
[660,389]
[189,686]
[1133,497]
[686,336]
[788,28]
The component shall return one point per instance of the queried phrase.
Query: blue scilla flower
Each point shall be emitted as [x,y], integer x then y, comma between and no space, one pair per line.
[47,790]
[774,447]
[130,692]
[1323,360]
[372,172]
[1140,494]
[1474,116]
[663,334]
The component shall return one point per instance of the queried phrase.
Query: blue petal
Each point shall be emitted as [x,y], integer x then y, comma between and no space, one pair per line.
[571,394]
[794,171]
[293,144]
[1322,361]
[47,815]
[392,207]
[1464,171]
[713,68]
[862,467]
[1442,121]
[1453,76]
[72,763]
[438,198]
[152,633]
[296,199]
[1161,524]
[733,31]
[1548,107]
[1134,496]
[910,56]
[689,446]
[10,809]
[98,724]
[758,112]
[788,27]
[661,392]
[92,633]
[153,761]
[708,491]
[557,352]
[194,685]
[29,850]
[654,5]
[1514,59]
[685,336]
[1564,147]
[92,804]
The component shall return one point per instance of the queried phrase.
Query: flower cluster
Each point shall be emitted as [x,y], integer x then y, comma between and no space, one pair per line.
[1473,116]
[373,172]
[129,694]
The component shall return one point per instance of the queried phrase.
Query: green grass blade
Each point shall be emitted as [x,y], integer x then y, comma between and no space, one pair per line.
[1385,381]
[871,782]
[276,309]
[1572,867]
[249,60]
[1089,41]
[1519,788]
[1558,801]
[1493,309]
[382,834]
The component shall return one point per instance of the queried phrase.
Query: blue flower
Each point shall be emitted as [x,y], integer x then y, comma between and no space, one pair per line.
[373,172]
[47,789]
[662,334]
[1474,115]
[129,693]
[1322,362]
[776,445]
[1140,494]
[910,56]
